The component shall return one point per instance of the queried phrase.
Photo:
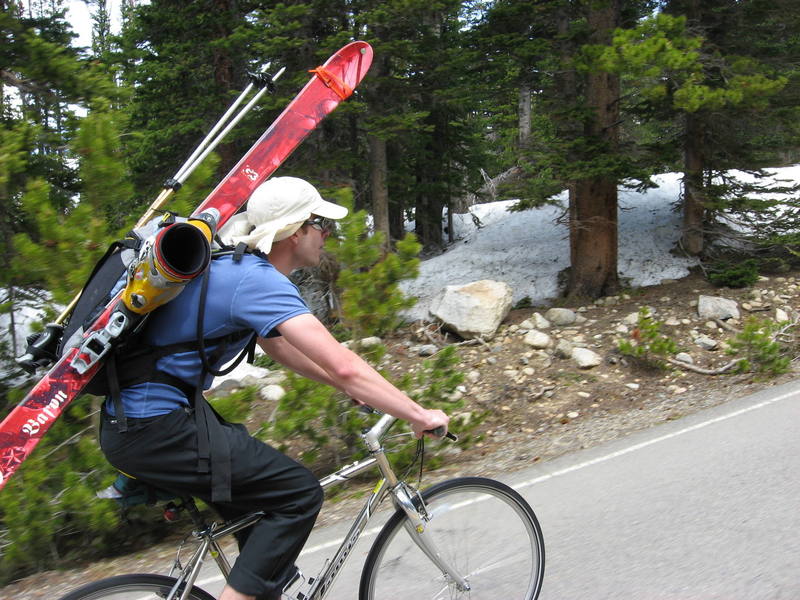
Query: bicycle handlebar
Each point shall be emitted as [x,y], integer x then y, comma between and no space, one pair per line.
[438,432]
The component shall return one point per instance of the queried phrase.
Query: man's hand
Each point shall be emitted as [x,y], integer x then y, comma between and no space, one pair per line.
[430,419]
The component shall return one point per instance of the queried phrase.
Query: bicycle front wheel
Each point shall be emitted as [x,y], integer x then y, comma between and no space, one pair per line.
[139,587]
[482,528]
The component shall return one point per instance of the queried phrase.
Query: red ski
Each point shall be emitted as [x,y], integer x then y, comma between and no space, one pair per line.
[332,82]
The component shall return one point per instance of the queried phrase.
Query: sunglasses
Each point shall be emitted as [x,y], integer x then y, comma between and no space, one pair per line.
[322,224]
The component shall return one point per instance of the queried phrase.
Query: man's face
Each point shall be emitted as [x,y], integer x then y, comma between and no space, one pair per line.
[311,241]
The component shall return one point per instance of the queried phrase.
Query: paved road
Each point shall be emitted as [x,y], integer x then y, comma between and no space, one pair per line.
[701,508]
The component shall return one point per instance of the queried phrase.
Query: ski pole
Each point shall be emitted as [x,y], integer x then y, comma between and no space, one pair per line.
[225,131]
[205,149]
[223,120]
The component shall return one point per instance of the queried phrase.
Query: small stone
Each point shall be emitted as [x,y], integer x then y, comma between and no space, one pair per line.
[537,339]
[370,342]
[714,307]
[584,394]
[672,322]
[271,393]
[539,322]
[633,386]
[427,350]
[473,376]
[631,319]
[563,349]
[455,396]
[706,343]
[710,325]
[573,414]
[528,371]
[781,316]
[560,316]
[585,358]
[684,358]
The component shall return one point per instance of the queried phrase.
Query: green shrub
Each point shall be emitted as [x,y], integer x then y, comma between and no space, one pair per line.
[760,351]
[647,344]
[326,425]
[48,512]
[235,406]
[736,275]
[371,300]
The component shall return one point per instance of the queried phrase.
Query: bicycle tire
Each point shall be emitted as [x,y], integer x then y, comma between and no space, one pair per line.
[149,586]
[482,527]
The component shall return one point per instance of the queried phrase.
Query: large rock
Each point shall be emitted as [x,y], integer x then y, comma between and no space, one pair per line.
[475,309]
[714,307]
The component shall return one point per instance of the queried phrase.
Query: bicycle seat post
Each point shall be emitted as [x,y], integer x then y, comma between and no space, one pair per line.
[197,518]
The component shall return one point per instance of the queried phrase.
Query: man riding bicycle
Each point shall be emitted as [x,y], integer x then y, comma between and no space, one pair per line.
[173,440]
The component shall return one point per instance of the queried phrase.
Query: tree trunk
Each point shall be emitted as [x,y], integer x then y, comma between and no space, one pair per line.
[694,210]
[593,209]
[379,193]
[227,75]
[593,239]
[524,115]
[428,223]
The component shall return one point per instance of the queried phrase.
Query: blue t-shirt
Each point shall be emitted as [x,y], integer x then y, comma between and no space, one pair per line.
[247,296]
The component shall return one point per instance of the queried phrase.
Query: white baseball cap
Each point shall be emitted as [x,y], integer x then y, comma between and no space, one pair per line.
[276,209]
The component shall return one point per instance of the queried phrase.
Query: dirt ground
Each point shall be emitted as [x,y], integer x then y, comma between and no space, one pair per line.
[535,407]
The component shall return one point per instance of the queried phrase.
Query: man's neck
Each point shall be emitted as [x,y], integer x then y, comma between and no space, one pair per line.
[281,261]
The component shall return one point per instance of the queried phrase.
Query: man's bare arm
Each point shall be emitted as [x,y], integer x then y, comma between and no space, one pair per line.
[354,376]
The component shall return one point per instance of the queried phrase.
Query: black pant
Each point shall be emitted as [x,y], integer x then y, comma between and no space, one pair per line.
[162,451]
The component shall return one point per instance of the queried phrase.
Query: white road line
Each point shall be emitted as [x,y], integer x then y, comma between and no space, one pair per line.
[576,467]
[651,442]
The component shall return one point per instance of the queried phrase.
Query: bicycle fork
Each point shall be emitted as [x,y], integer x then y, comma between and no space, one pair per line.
[413,505]
[404,498]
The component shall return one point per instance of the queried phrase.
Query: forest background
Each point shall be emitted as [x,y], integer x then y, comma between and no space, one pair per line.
[532,97]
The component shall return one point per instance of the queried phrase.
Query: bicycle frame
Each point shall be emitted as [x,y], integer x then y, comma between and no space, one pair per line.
[404,498]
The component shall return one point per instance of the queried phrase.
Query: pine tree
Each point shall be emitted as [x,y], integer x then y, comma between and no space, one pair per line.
[42,80]
[733,106]
[191,61]
[423,125]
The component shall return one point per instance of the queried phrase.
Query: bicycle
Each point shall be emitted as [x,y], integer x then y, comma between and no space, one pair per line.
[467,537]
